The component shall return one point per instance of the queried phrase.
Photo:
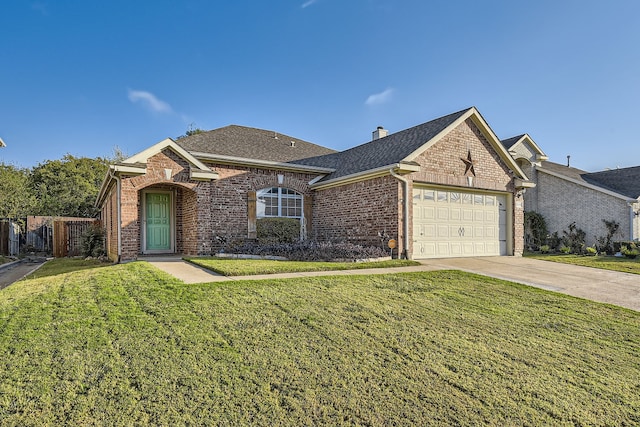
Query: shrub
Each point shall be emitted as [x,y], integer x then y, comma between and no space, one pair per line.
[565,249]
[535,229]
[309,250]
[574,238]
[617,246]
[92,242]
[630,251]
[554,241]
[604,244]
[591,251]
[277,230]
[545,249]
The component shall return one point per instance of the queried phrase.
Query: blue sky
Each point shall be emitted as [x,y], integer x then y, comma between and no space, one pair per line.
[84,76]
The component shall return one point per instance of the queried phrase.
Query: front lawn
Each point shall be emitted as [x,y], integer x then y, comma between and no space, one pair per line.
[64,265]
[625,265]
[129,345]
[247,267]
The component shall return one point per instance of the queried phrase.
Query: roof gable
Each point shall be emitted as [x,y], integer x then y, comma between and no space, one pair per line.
[515,145]
[242,142]
[137,162]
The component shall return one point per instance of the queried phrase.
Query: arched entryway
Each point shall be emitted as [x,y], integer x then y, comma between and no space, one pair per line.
[168,220]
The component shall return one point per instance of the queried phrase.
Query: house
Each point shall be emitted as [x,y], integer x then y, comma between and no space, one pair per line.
[444,188]
[564,194]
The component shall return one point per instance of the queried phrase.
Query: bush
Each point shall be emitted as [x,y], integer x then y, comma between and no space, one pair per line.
[554,241]
[591,251]
[278,230]
[535,230]
[545,249]
[309,250]
[604,244]
[617,246]
[630,251]
[92,243]
[565,250]
[574,239]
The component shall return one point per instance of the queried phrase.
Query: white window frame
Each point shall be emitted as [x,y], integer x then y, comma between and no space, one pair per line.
[261,205]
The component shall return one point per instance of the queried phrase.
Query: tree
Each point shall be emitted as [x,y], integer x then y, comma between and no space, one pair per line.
[17,199]
[191,130]
[67,187]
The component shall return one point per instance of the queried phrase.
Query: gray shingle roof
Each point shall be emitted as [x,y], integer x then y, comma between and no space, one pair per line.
[569,172]
[624,181]
[508,143]
[252,143]
[381,152]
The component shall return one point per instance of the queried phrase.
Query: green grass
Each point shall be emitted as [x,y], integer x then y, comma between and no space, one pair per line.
[4,260]
[246,267]
[64,265]
[625,265]
[129,345]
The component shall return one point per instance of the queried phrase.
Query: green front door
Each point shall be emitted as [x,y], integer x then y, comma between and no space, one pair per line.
[158,216]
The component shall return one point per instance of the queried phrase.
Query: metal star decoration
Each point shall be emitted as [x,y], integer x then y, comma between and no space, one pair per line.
[469,163]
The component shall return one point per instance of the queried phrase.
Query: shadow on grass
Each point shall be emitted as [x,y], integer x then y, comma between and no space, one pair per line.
[66,265]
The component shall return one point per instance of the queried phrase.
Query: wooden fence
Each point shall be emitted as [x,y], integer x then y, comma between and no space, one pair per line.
[9,238]
[67,237]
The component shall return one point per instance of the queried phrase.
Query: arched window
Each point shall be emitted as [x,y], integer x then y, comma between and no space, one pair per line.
[278,202]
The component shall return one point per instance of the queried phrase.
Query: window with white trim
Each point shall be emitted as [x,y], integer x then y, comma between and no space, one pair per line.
[278,202]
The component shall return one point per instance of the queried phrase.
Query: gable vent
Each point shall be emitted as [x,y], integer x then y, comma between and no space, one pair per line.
[293,143]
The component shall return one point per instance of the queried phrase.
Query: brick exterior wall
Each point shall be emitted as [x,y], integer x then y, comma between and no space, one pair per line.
[562,202]
[441,164]
[228,216]
[357,212]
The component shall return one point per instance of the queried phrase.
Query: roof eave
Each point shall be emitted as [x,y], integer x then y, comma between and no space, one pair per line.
[230,160]
[401,168]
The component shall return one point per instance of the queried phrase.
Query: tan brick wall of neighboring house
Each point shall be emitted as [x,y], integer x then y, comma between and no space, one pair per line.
[562,202]
[442,164]
[356,212]
[636,221]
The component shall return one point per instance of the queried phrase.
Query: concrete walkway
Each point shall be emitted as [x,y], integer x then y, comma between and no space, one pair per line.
[17,270]
[622,289]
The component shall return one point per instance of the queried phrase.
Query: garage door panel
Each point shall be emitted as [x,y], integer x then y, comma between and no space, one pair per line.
[428,212]
[443,249]
[443,213]
[458,223]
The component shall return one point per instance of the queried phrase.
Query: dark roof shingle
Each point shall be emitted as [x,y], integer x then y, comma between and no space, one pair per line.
[625,181]
[381,152]
[251,143]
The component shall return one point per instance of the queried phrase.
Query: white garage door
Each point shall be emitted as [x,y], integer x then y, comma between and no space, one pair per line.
[452,223]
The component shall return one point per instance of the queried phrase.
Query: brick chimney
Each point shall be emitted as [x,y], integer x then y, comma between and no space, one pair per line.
[380,132]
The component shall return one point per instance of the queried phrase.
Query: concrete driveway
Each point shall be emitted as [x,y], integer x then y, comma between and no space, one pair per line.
[611,287]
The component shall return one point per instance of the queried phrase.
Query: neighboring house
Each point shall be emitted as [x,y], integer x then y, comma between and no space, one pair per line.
[444,188]
[564,194]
